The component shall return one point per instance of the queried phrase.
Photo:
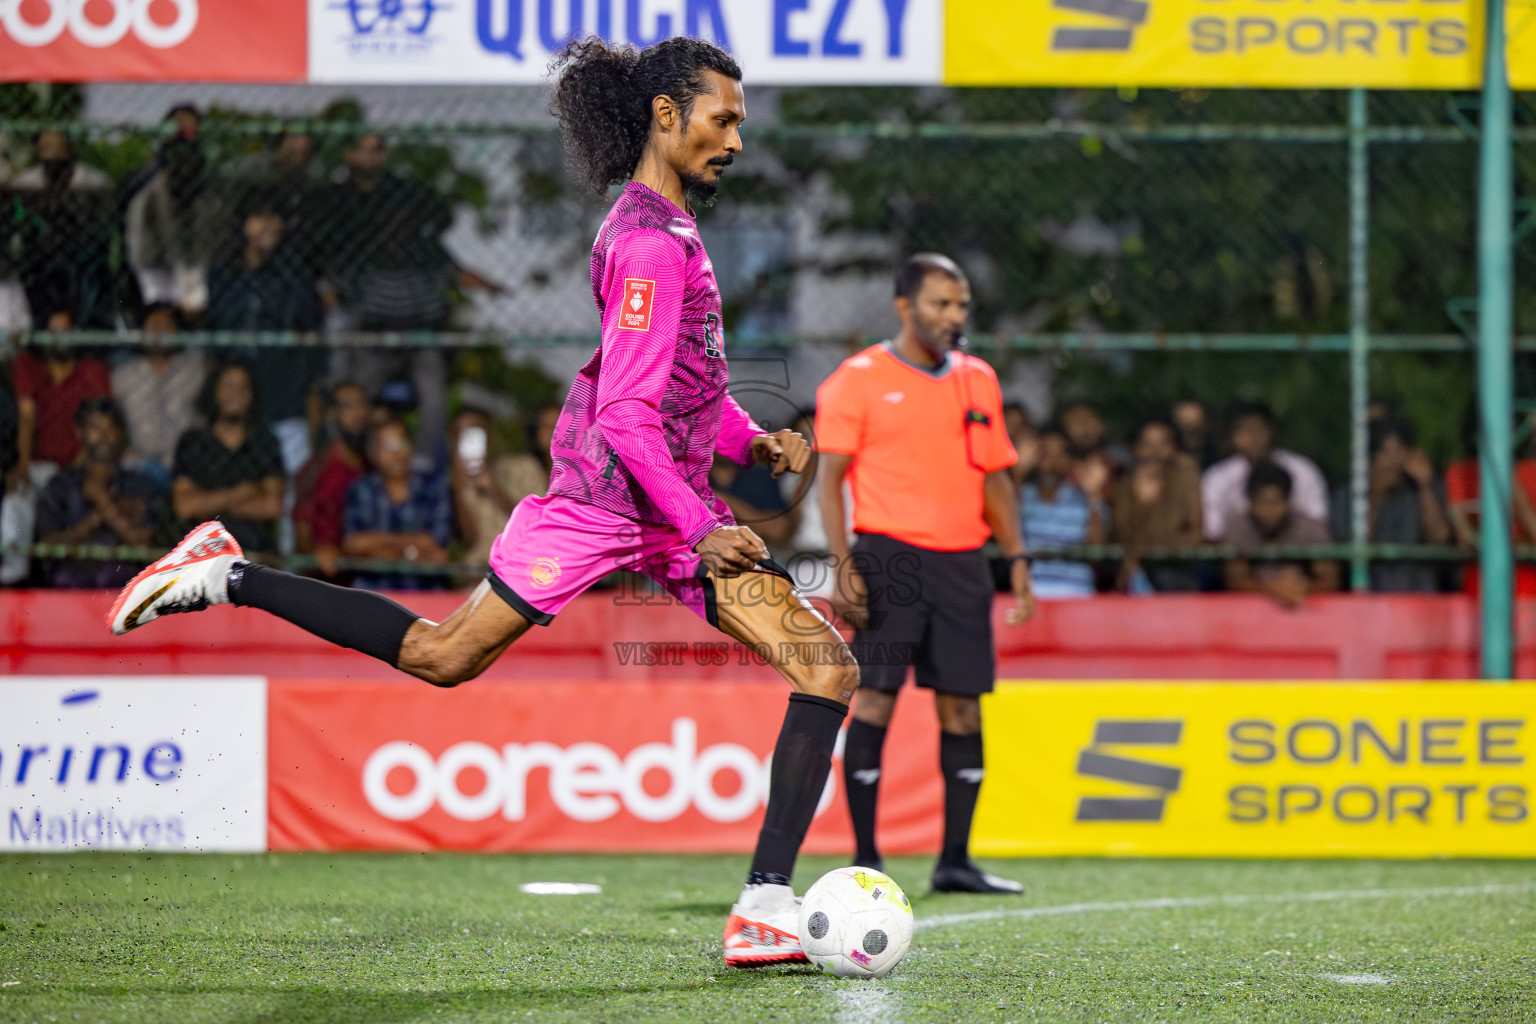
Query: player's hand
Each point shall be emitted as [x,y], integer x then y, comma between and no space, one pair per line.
[1023,594]
[850,597]
[784,450]
[731,551]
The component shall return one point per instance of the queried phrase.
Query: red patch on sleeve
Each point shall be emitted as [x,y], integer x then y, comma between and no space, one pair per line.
[635,313]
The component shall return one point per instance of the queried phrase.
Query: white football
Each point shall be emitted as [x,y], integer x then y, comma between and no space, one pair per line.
[855,923]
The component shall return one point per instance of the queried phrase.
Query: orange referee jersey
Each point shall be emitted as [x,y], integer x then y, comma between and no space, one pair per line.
[906,428]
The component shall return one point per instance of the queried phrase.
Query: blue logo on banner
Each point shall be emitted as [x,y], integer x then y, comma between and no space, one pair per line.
[389,28]
[500,24]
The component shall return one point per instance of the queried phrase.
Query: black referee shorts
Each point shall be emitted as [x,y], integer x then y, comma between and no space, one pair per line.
[928,609]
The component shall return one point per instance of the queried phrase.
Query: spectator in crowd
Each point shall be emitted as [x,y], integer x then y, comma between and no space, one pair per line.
[177,224]
[1057,513]
[1463,490]
[97,501]
[264,286]
[231,468]
[1157,505]
[1407,506]
[286,174]
[487,486]
[397,514]
[1193,421]
[320,506]
[185,121]
[1270,519]
[1224,485]
[1022,433]
[1094,462]
[50,387]
[157,392]
[754,498]
[58,169]
[378,239]
[63,231]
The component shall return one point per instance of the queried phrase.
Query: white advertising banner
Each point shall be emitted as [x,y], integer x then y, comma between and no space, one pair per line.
[778,42]
[133,763]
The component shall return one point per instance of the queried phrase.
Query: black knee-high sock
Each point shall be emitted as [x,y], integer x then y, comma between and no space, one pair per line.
[861,779]
[960,761]
[802,758]
[359,619]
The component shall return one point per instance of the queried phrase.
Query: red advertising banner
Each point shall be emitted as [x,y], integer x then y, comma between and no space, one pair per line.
[562,766]
[153,40]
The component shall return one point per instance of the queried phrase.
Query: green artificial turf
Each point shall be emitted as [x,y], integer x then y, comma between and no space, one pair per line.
[380,938]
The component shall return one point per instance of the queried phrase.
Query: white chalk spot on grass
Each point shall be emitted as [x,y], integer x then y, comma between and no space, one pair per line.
[1358,979]
[1188,902]
[865,1002]
[560,888]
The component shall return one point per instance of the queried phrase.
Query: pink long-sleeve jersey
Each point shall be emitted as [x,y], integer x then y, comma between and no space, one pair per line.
[646,414]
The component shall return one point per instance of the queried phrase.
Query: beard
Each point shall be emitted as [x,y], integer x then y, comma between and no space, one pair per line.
[701,191]
[937,340]
[357,442]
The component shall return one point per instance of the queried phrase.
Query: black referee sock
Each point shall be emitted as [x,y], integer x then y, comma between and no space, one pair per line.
[861,780]
[960,762]
[359,619]
[802,759]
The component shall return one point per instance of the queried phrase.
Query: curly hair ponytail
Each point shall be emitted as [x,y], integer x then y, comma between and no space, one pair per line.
[603,95]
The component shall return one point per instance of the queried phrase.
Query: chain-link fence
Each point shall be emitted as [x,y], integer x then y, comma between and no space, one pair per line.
[1129,249]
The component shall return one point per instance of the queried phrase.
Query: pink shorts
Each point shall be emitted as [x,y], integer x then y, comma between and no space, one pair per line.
[554,548]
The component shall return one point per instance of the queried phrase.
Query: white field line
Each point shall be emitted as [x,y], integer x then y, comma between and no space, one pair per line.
[1184,902]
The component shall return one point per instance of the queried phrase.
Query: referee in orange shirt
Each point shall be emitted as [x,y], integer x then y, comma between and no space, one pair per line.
[916,427]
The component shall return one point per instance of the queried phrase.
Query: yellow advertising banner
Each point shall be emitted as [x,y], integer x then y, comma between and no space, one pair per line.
[1259,770]
[1290,44]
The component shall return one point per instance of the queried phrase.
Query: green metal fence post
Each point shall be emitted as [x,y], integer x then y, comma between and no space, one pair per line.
[1359,338]
[1494,360]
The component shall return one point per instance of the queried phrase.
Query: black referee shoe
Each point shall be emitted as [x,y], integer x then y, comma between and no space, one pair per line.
[968,877]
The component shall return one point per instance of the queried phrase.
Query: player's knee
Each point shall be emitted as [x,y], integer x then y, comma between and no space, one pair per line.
[960,715]
[835,682]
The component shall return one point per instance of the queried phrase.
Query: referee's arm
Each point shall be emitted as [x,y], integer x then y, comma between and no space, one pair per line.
[1002,513]
[848,594]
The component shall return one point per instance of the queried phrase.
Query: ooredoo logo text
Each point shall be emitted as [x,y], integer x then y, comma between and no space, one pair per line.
[128,17]
[588,782]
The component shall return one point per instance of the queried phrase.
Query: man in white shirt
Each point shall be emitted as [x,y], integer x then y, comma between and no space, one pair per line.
[1223,487]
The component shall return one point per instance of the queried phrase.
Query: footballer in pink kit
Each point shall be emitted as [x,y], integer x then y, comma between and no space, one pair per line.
[640,427]
[632,450]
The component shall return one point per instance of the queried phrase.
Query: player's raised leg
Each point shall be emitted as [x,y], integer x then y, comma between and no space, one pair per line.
[208,568]
[764,609]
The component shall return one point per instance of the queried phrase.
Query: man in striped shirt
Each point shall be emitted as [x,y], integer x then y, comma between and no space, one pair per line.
[1057,513]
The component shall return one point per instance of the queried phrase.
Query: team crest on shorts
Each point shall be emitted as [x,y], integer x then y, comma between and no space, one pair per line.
[545,572]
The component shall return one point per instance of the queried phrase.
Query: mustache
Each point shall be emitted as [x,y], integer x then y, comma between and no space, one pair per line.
[722,161]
